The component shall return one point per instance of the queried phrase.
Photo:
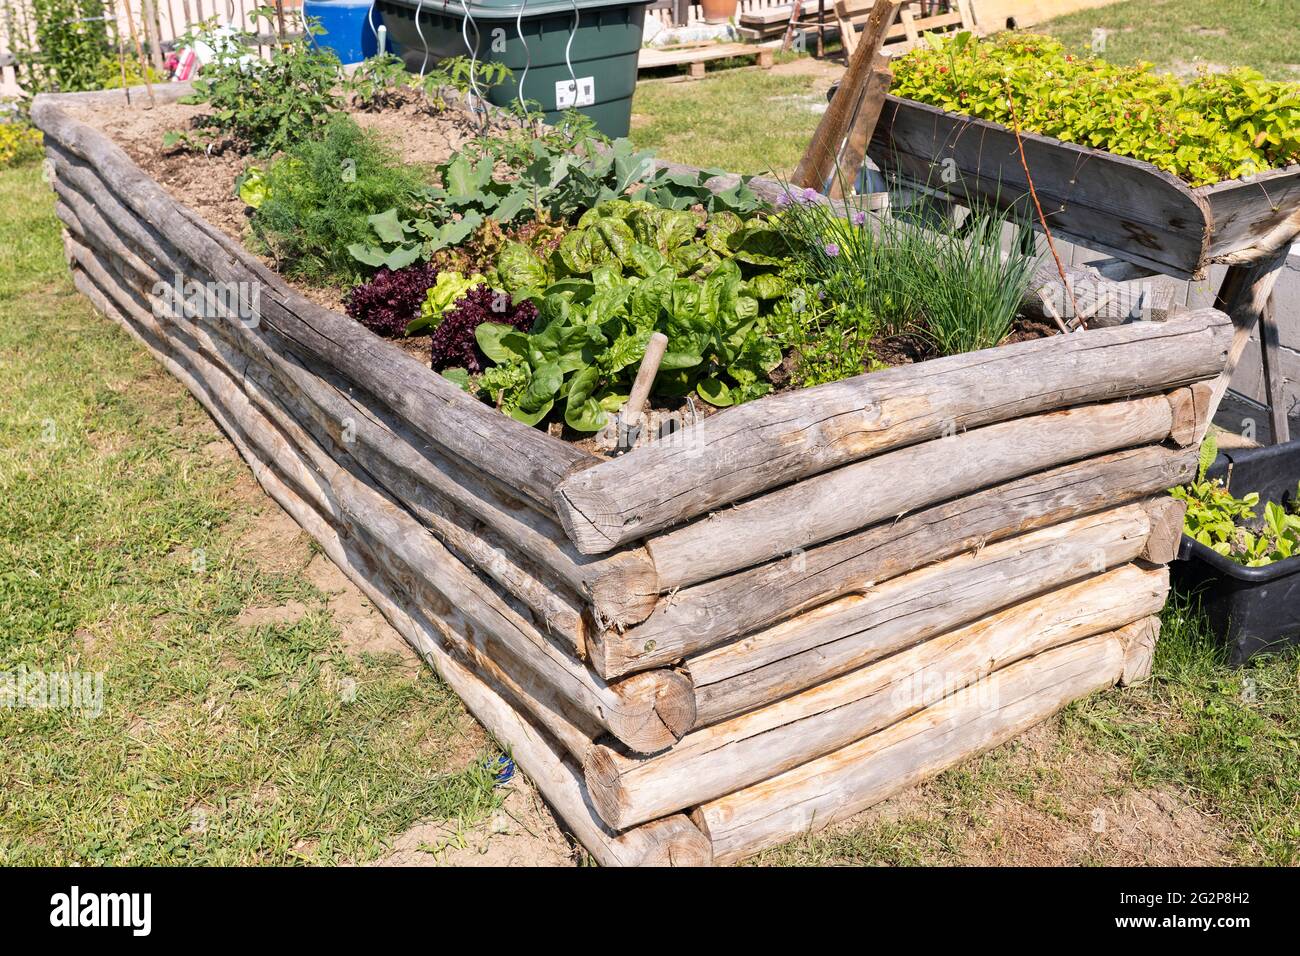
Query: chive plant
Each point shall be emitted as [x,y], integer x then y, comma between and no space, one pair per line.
[947,283]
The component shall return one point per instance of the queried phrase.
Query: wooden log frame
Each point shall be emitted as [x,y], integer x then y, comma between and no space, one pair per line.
[707,615]
[290,481]
[784,438]
[839,636]
[640,656]
[863,493]
[971,721]
[725,757]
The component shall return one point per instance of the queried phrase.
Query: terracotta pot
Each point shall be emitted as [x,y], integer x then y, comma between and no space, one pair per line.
[718,11]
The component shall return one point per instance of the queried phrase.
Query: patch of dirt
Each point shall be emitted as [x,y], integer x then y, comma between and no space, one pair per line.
[288,613]
[1077,808]
[521,833]
[362,629]
[273,540]
[1182,68]
[824,72]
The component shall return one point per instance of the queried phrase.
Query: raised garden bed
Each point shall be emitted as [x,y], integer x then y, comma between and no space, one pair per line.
[712,643]
[1099,199]
[1252,609]
[1096,199]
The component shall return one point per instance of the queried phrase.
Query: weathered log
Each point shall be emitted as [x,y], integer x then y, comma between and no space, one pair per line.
[620,587]
[647,715]
[525,459]
[1100,301]
[1140,640]
[670,841]
[1166,529]
[970,722]
[787,437]
[860,494]
[1191,411]
[857,629]
[725,757]
[706,615]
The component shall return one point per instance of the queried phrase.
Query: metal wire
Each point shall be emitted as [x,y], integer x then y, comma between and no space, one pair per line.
[573,31]
[473,60]
[370,19]
[424,65]
[528,61]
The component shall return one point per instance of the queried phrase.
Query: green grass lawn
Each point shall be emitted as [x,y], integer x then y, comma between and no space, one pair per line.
[122,554]
[742,120]
[1181,35]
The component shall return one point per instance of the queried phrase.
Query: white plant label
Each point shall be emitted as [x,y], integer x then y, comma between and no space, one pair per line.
[568,96]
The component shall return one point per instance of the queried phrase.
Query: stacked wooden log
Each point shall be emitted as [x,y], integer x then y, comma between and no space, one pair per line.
[716,641]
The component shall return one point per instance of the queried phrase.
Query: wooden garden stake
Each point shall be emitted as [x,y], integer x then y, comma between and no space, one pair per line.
[1268,347]
[152,32]
[864,125]
[819,159]
[139,51]
[630,416]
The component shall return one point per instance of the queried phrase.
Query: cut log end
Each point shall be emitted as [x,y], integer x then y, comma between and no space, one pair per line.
[656,709]
[589,517]
[600,770]
[627,597]
[1166,515]
[1190,408]
[672,841]
[611,655]
[1139,640]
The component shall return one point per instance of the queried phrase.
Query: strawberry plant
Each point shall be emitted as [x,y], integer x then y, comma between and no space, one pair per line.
[1228,525]
[1213,128]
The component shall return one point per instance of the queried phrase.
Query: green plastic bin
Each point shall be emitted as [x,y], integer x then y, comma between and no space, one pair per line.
[603,51]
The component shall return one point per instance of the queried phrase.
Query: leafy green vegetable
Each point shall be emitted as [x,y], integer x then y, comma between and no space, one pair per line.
[592,330]
[447,289]
[1227,524]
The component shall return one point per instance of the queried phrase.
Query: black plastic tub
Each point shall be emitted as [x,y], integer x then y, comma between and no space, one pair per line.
[1252,609]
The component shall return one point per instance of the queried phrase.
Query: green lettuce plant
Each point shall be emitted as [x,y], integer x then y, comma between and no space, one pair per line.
[1228,525]
[447,289]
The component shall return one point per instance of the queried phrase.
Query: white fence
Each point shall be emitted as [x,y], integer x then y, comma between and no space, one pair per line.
[171,18]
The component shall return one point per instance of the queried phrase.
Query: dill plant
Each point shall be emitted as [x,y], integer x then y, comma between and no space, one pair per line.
[320,195]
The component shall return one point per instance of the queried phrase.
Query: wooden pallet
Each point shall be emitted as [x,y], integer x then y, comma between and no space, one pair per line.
[902,36]
[695,56]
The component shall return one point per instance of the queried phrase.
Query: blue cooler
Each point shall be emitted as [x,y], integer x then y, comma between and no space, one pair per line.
[347,27]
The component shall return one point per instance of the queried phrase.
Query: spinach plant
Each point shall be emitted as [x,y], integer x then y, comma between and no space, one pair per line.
[628,270]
